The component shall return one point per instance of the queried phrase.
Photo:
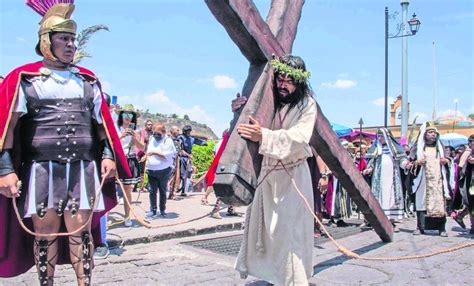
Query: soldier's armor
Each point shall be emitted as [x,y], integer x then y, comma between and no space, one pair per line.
[59,130]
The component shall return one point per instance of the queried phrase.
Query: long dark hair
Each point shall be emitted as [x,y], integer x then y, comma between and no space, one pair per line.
[302,92]
[120,118]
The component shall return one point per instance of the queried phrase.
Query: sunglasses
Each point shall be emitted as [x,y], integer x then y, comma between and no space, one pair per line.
[129,115]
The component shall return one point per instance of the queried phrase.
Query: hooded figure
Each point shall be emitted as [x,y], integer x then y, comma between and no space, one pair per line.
[386,156]
[431,183]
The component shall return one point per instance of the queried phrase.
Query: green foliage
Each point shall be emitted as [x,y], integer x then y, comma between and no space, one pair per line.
[471,115]
[203,156]
[298,75]
[174,115]
[186,117]
[82,39]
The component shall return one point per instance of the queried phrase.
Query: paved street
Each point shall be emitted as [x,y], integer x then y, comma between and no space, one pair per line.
[175,262]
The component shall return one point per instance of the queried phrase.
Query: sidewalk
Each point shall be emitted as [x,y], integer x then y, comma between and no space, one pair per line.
[179,211]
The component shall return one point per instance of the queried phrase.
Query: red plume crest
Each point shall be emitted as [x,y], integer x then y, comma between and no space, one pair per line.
[42,6]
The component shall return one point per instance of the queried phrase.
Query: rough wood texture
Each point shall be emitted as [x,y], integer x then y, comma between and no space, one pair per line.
[239,166]
[327,144]
[282,18]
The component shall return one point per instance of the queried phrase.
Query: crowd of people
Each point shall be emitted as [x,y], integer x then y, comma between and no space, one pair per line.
[427,179]
[73,142]
[159,160]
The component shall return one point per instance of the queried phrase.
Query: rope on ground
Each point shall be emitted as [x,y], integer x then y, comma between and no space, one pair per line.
[351,254]
[89,219]
[120,245]
[118,222]
[146,224]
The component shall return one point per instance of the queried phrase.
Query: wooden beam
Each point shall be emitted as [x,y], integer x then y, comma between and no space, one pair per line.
[246,28]
[239,166]
[328,146]
[283,21]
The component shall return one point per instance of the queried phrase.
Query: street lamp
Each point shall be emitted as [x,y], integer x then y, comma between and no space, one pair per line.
[361,122]
[414,24]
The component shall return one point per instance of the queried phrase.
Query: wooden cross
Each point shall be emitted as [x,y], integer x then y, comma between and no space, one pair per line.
[239,166]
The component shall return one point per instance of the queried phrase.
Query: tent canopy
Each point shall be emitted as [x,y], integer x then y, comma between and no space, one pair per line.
[341,130]
[453,139]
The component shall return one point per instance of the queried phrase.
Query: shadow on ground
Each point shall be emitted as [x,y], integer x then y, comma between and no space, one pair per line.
[342,258]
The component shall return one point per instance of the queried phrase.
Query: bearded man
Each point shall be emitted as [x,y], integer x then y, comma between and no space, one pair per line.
[431,183]
[278,239]
[57,136]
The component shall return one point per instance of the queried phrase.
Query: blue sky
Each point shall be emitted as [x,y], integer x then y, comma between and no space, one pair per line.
[174,57]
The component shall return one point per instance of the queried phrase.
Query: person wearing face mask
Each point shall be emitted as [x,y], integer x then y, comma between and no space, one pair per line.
[431,183]
[160,157]
[187,143]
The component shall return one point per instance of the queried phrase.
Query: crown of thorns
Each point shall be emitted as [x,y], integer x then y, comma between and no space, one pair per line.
[299,75]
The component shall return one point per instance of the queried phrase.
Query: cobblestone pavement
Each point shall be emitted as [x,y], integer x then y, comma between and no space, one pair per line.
[172,262]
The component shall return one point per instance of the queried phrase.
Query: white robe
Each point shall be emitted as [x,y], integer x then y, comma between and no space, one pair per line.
[278,240]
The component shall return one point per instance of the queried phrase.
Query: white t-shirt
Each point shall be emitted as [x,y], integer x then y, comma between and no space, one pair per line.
[166,147]
[128,147]
[73,87]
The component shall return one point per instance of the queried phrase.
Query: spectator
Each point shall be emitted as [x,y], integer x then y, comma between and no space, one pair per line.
[126,125]
[175,171]
[187,142]
[160,153]
[145,134]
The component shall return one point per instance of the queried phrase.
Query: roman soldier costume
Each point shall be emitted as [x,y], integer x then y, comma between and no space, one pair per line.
[55,131]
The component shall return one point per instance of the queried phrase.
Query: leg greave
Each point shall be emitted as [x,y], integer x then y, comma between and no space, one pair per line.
[43,262]
[82,256]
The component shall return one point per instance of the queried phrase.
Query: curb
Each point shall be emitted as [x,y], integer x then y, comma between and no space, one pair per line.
[174,234]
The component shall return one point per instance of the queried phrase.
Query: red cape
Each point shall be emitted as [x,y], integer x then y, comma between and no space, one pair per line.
[211,172]
[16,246]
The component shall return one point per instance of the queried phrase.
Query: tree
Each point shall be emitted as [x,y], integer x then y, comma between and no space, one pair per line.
[203,156]
[174,115]
[471,115]
[82,39]
[186,117]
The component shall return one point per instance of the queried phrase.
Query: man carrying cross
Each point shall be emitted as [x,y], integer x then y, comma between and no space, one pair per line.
[278,236]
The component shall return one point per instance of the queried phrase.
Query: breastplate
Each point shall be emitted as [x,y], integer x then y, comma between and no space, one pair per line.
[58,129]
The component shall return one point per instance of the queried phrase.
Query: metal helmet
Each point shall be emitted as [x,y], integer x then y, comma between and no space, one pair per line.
[56,19]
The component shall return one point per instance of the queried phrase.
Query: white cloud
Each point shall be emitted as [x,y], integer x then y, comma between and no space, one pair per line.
[339,84]
[381,101]
[421,116]
[159,102]
[449,112]
[224,82]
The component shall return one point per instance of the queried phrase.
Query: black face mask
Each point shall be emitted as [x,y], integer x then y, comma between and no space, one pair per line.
[157,136]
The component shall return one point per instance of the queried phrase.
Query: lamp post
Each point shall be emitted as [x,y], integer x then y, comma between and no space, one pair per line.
[414,25]
[361,122]
[455,113]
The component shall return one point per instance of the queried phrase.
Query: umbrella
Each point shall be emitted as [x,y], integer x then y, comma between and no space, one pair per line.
[453,139]
[341,130]
[456,118]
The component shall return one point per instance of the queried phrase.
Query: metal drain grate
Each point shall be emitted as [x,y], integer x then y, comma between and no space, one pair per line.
[230,245]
